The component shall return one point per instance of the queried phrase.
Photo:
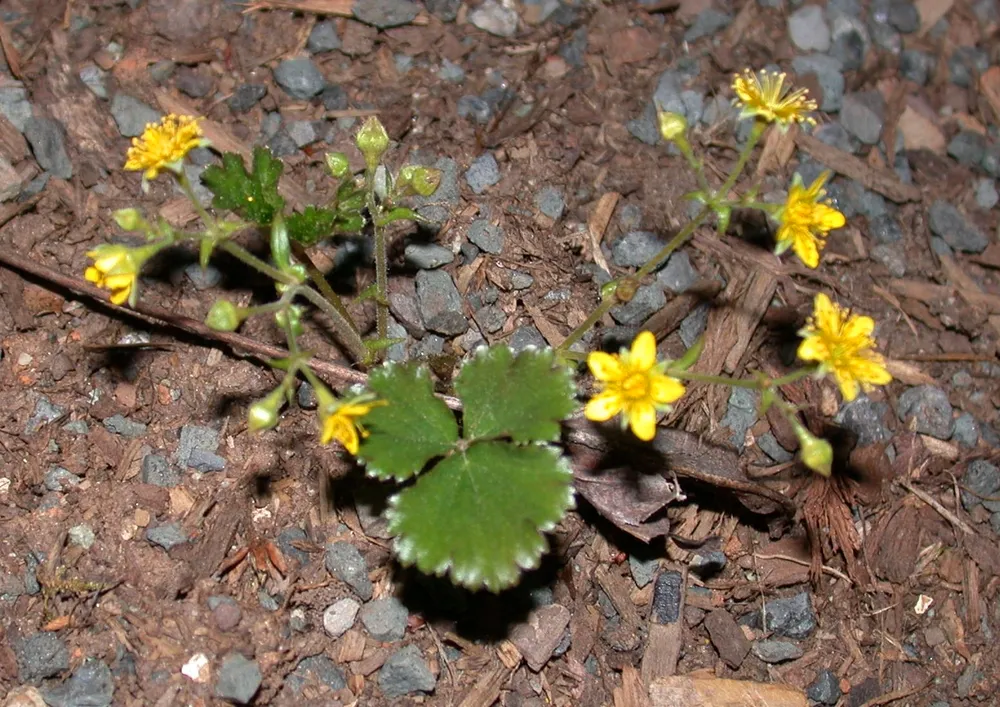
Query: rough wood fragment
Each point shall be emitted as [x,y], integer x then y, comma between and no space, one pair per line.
[665,635]
[885,183]
[486,691]
[930,11]
[631,693]
[597,224]
[989,86]
[685,691]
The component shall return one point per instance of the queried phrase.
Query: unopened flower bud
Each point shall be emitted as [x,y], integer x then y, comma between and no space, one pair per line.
[129,219]
[626,290]
[422,181]
[263,414]
[338,165]
[815,452]
[672,125]
[224,316]
[292,316]
[372,140]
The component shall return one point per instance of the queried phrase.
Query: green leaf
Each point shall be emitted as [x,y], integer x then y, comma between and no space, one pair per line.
[413,428]
[312,225]
[524,397]
[399,213]
[479,515]
[252,195]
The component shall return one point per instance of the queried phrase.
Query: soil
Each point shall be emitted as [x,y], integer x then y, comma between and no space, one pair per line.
[871,547]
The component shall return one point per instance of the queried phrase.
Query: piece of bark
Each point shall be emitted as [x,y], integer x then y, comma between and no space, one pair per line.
[682,690]
[885,183]
[728,638]
[665,630]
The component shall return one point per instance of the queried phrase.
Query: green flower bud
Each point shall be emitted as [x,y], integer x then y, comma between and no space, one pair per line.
[293,316]
[263,414]
[373,141]
[130,220]
[672,125]
[415,179]
[608,289]
[224,316]
[338,165]
[815,453]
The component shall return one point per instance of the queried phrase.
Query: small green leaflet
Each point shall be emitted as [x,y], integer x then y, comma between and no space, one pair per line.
[413,428]
[311,226]
[478,513]
[253,195]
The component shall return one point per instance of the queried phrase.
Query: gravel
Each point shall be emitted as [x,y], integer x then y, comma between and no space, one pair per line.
[195,437]
[238,680]
[451,72]
[427,256]
[892,257]
[338,618]
[41,655]
[439,303]
[194,83]
[492,17]
[825,689]
[205,461]
[90,685]
[132,115]
[708,23]
[483,173]
[59,479]
[486,236]
[776,651]
[345,563]
[385,619]
[474,108]
[741,414]
[966,432]
[829,72]
[965,63]
[967,147]
[948,223]
[862,115]
[45,412]
[790,617]
[323,38]
[246,96]
[47,138]
[885,229]
[299,78]
[121,425]
[550,201]
[642,570]
[226,612]
[636,248]
[525,336]
[986,194]
[82,536]
[14,104]
[850,41]
[926,410]
[769,445]
[319,668]
[983,479]
[678,274]
[916,66]
[444,10]
[167,536]
[808,29]
[405,672]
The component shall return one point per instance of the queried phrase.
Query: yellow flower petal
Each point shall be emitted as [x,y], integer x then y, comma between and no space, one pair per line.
[92,274]
[806,247]
[828,218]
[665,390]
[643,353]
[813,349]
[603,407]
[642,420]
[163,145]
[604,366]
[119,296]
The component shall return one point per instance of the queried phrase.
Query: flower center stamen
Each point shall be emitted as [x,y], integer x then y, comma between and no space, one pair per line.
[635,386]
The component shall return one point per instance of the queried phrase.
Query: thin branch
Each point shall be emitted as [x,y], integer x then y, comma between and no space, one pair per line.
[945,513]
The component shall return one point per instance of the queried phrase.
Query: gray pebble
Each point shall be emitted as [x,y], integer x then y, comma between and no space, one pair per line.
[339,617]
[90,685]
[385,13]
[741,414]
[525,336]
[916,66]
[439,303]
[948,223]
[705,564]
[204,461]
[59,479]
[486,236]
[323,38]
[903,16]
[226,612]
[427,256]
[431,345]
[302,132]
[892,257]
[791,617]
[708,23]
[491,318]
[156,470]
[575,50]
[321,669]
[885,37]
[645,127]
[965,63]
[345,563]
[776,651]
[866,419]
[521,280]
[76,427]
[967,147]
[93,78]
[281,144]
[550,202]
[678,274]
[203,278]
[161,71]
[850,41]
[195,437]
[334,97]
[121,425]
[474,108]
[238,680]
[829,73]
[636,248]
[385,619]
[983,479]
[14,104]
[306,396]
[45,412]
[405,672]
[862,114]
[825,689]
[991,160]
[451,72]
[167,536]
[643,571]
[986,194]
[286,539]
[885,229]
[444,10]
[246,96]
[966,431]
[808,29]
[769,445]
[648,300]
[41,655]
[483,173]
[694,324]
[194,83]
[299,78]
[132,115]
[929,409]
[82,536]
[47,139]
[490,16]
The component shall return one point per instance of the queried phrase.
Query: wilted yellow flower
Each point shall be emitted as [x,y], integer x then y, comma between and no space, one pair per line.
[341,421]
[115,268]
[806,220]
[633,384]
[843,345]
[163,145]
[672,125]
[765,96]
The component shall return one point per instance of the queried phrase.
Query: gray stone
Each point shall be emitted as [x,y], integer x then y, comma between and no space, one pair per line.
[323,38]
[791,617]
[948,223]
[194,83]
[825,689]
[483,173]
[648,300]
[645,127]
[76,427]
[226,612]
[491,318]
[929,410]
[161,71]
[439,303]
[474,108]
[717,110]
[575,50]
[550,202]
[965,64]
[93,78]
[45,412]
[59,479]
[892,257]
[156,470]
[916,66]
[885,37]
[195,437]
[694,324]
[636,248]
[345,563]
[334,97]
[678,274]
[525,336]
[969,677]
[708,23]
[203,278]
[299,78]
[82,536]
[986,194]
[121,425]
[385,619]
[306,397]
[385,13]
[286,543]
[862,115]
[885,229]
[939,246]
[204,461]
[776,651]
[14,104]
[829,72]
[490,16]
[808,29]
[246,96]
[404,673]
[982,478]
[486,236]
[41,655]
[132,115]
[321,669]
[430,345]
[238,680]
[167,536]
[705,564]
[669,96]
[427,256]
[339,617]
[967,147]
[451,72]
[966,432]
[302,132]
[444,10]
[643,571]
[90,685]
[741,414]
[48,143]
[850,41]
[281,144]
[903,16]
[991,160]
[769,445]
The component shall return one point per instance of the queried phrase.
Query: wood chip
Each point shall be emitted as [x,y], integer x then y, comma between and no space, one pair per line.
[631,693]
[597,224]
[989,86]
[779,146]
[486,691]
[920,132]
[930,11]
[713,692]
[908,373]
[885,183]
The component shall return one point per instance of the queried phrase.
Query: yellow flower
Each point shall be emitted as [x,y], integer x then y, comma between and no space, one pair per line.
[341,421]
[805,220]
[115,268]
[842,344]
[163,145]
[632,383]
[766,97]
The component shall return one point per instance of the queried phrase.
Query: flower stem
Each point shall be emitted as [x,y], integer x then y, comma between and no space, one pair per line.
[185,185]
[676,242]
[381,261]
[350,338]
[741,162]
[322,285]
[248,258]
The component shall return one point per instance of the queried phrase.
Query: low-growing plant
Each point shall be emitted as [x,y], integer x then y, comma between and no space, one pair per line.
[478,487]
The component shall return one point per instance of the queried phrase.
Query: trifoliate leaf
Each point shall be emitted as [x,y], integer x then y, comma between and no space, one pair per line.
[311,226]
[524,397]
[253,195]
[479,515]
[411,429]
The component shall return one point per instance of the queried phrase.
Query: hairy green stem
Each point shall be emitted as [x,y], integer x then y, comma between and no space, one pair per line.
[741,162]
[381,262]
[349,337]
[248,258]
[322,285]
[185,185]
